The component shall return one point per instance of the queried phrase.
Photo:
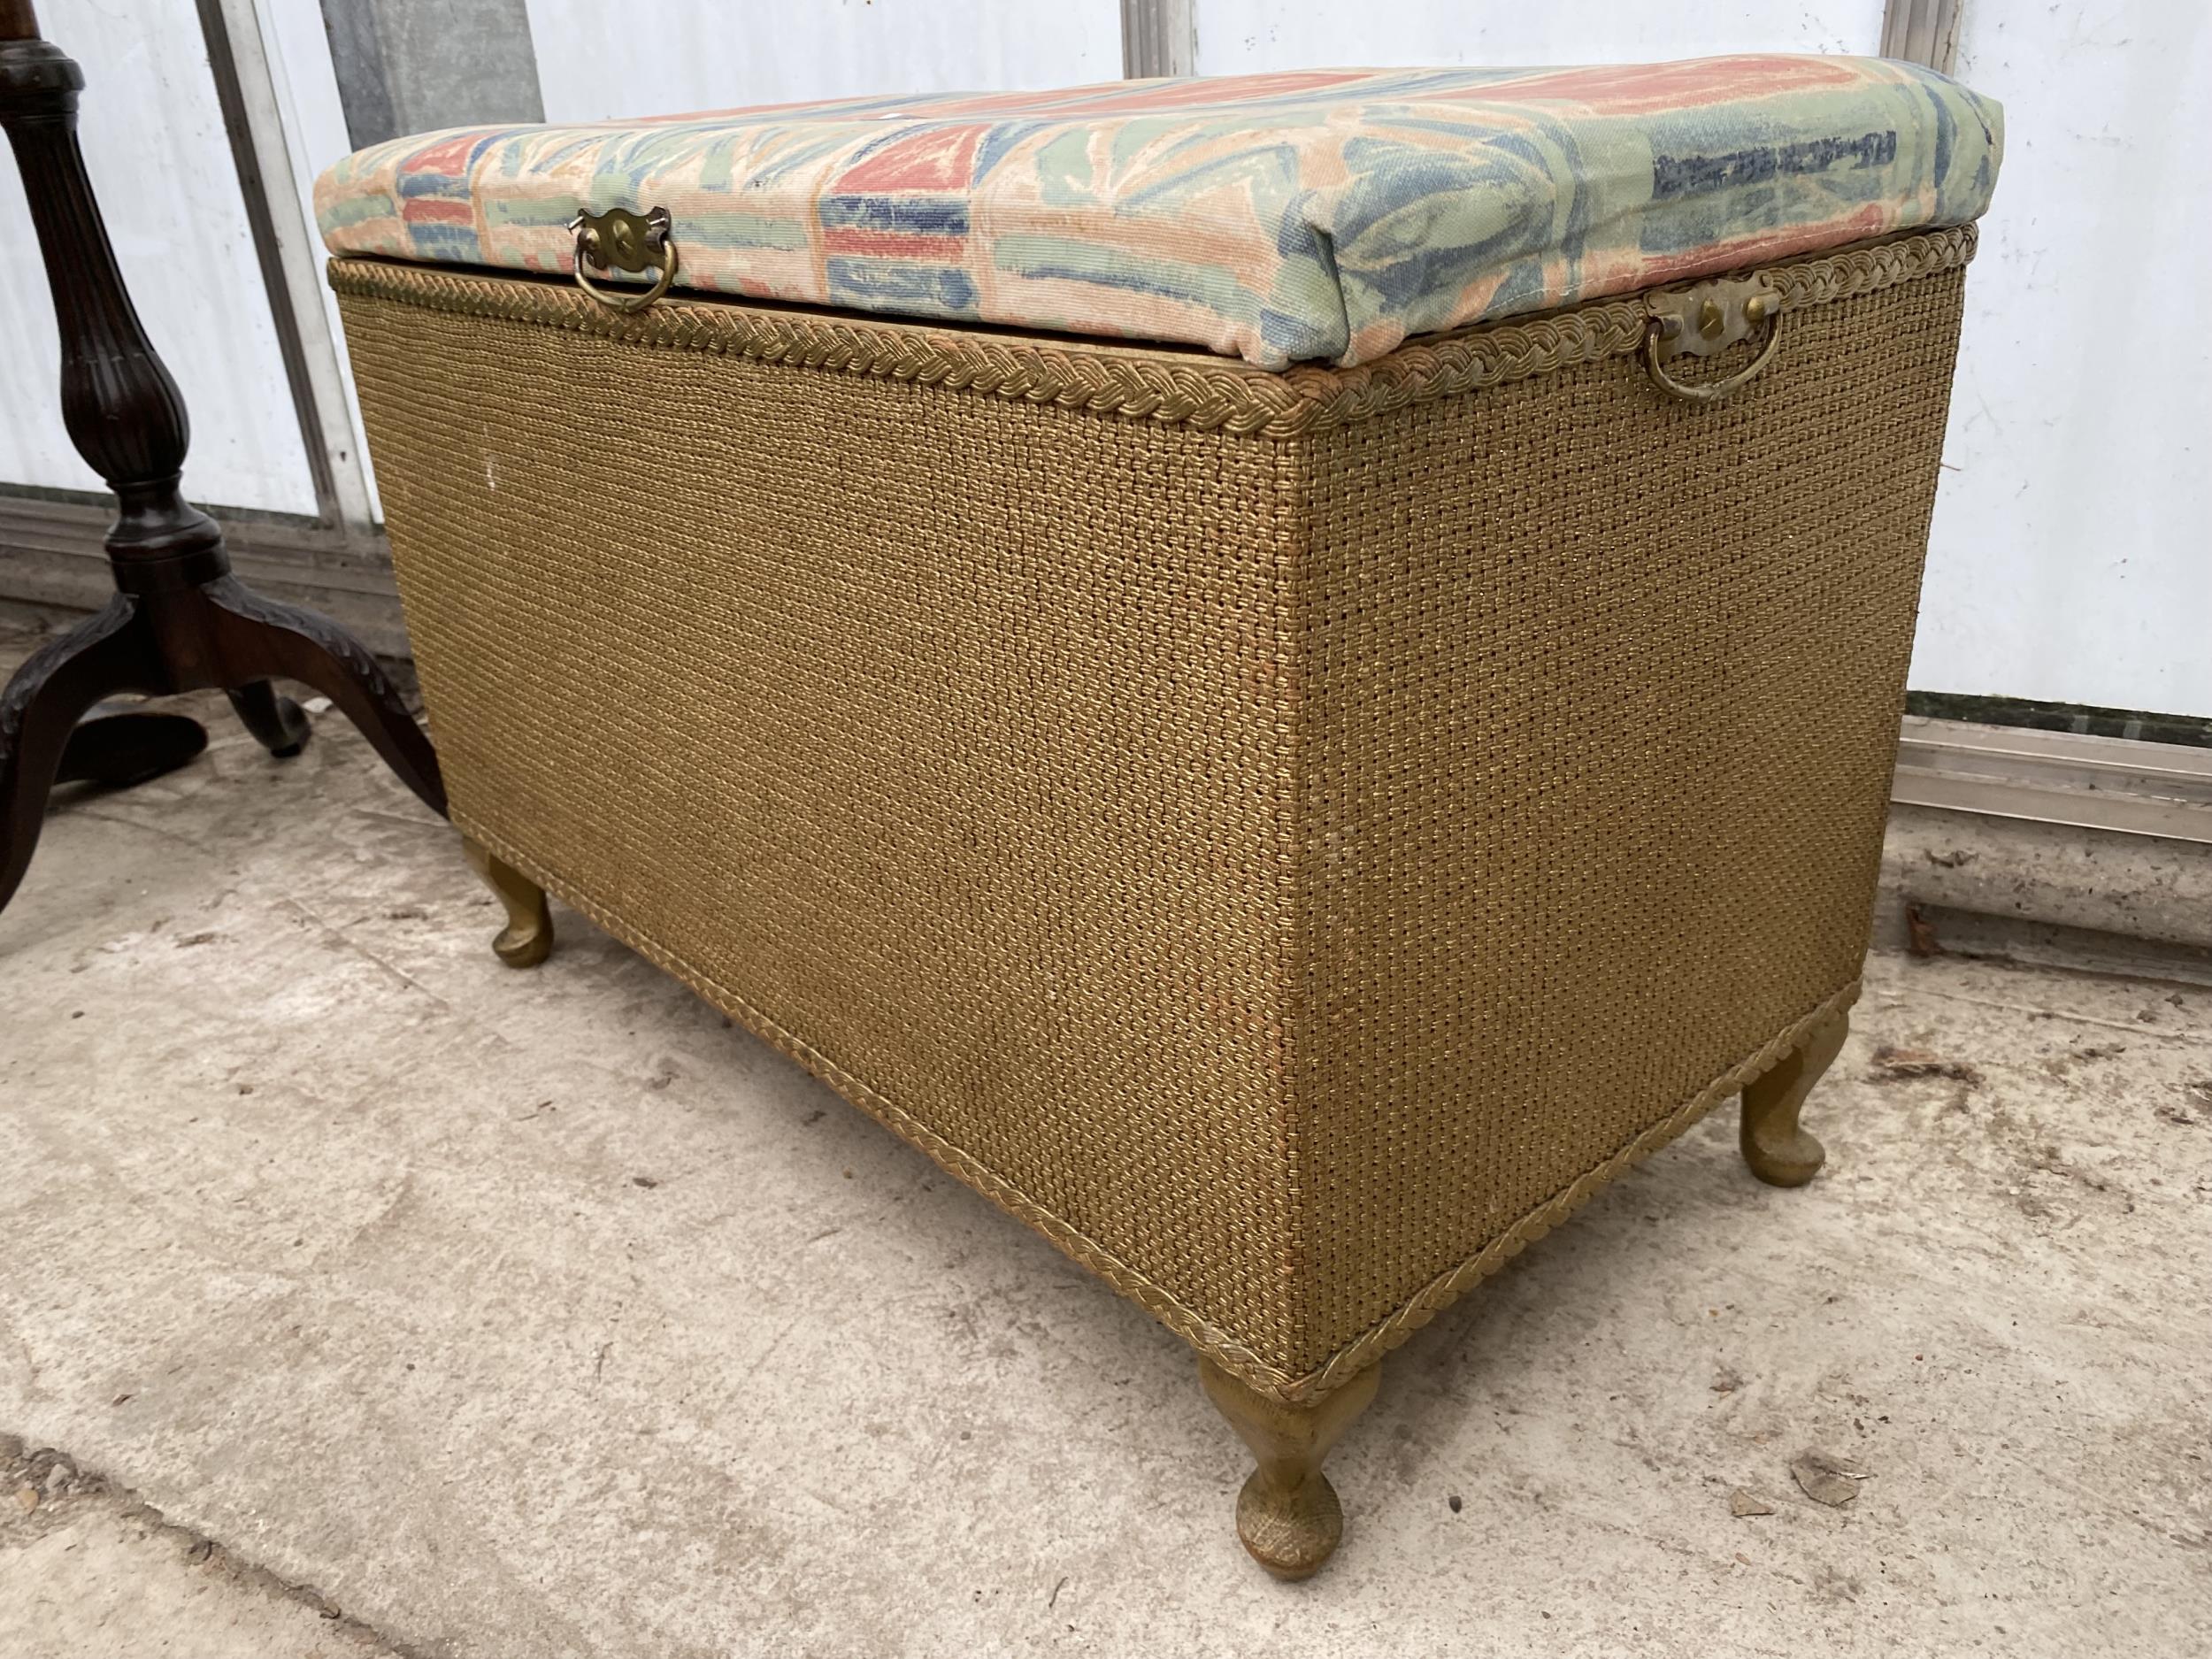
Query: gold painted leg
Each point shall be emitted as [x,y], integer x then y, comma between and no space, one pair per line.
[1287,1514]
[1778,1152]
[527,939]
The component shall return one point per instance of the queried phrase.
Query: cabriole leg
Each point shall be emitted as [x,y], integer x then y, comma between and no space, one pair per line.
[527,939]
[1779,1151]
[1287,1514]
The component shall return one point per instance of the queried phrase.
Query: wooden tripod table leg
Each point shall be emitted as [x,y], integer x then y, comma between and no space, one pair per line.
[39,711]
[278,724]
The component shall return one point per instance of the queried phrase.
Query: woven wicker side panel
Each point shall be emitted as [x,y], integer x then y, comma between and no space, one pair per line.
[938,733]
[1601,711]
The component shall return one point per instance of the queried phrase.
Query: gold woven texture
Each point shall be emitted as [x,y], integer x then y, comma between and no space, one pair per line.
[1288,838]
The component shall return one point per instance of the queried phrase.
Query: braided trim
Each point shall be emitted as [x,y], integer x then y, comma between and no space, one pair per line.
[1880,264]
[1201,1333]
[1199,391]
[1180,389]
[1446,1287]
[1452,364]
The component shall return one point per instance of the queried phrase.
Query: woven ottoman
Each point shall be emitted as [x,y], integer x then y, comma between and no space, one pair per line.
[1284,674]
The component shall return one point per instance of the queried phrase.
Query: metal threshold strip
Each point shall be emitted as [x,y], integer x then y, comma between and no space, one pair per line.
[2103,783]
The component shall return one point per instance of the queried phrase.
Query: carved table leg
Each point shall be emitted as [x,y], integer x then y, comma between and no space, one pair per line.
[278,724]
[1779,1151]
[39,712]
[1287,1514]
[265,636]
[527,939]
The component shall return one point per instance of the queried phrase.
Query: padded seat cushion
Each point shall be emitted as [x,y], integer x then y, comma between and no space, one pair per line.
[1317,215]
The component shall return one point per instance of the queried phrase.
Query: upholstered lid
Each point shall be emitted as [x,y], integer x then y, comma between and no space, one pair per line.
[1323,214]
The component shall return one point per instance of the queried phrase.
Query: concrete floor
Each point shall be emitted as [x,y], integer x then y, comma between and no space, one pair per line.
[544,1315]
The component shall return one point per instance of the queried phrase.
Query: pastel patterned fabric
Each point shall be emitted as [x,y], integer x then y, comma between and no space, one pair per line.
[1323,214]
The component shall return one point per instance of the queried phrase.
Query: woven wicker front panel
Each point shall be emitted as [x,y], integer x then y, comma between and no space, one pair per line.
[936,731]
[1599,714]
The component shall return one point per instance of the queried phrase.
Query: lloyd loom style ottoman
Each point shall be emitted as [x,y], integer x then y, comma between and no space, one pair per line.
[1283,674]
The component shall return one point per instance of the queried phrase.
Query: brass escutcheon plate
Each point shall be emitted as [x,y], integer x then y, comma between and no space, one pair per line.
[618,240]
[1707,318]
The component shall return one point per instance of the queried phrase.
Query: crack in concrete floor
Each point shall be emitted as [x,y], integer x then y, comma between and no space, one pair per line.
[87,1569]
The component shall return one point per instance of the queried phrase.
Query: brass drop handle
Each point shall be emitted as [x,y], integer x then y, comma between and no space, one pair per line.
[1705,320]
[618,240]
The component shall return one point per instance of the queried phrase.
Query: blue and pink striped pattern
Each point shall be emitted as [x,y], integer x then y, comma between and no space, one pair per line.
[1327,214]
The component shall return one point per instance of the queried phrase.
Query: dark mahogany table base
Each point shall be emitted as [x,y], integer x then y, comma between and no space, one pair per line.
[180,620]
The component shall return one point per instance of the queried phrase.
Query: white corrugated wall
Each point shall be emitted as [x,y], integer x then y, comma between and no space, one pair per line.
[154,144]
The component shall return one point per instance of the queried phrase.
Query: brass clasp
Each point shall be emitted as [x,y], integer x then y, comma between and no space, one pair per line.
[1705,320]
[618,240]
